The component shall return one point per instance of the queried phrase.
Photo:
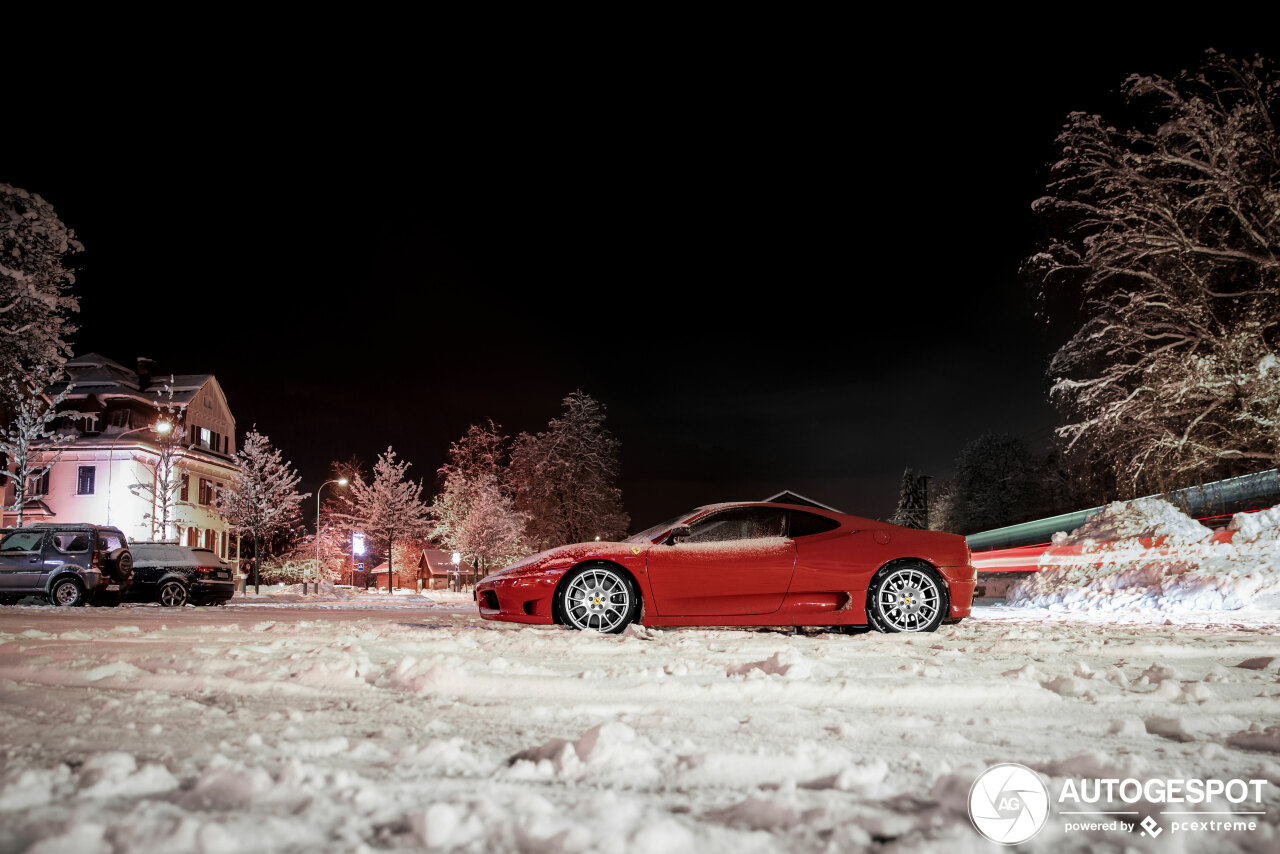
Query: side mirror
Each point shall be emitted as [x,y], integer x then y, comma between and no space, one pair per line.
[679,532]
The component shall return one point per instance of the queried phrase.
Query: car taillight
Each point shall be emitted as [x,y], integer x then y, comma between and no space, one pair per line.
[206,570]
[93,561]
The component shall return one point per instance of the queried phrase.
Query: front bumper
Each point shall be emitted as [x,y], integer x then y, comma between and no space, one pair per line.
[517,599]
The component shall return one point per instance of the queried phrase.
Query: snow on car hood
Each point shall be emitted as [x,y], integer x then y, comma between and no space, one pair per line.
[569,554]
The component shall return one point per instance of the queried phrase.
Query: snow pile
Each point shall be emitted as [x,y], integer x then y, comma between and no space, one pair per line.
[1251,527]
[1183,569]
[1149,518]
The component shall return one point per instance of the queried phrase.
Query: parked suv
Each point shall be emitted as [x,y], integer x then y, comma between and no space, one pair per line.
[68,564]
[175,575]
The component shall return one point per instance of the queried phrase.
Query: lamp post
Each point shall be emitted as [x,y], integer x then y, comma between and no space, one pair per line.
[160,428]
[341,481]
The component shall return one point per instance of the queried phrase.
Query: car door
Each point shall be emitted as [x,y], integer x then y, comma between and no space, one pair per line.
[70,548]
[733,562]
[21,561]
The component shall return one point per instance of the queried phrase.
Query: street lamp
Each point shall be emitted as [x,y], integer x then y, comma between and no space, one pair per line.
[160,428]
[342,481]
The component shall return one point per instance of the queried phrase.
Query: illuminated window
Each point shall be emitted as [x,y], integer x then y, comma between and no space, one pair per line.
[84,480]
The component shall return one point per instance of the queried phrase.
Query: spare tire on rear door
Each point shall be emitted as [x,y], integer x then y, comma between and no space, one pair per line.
[120,565]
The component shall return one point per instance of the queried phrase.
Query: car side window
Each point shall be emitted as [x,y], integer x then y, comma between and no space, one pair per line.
[71,541]
[806,524]
[22,541]
[740,523]
[109,542]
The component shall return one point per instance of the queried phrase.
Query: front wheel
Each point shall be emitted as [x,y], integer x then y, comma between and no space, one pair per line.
[599,598]
[173,594]
[907,598]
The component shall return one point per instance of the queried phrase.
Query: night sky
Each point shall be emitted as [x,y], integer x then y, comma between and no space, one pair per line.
[779,265]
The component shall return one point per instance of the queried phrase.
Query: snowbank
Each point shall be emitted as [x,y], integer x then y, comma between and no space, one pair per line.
[1150,518]
[1147,554]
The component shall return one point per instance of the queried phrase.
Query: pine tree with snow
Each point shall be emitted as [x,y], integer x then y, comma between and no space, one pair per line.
[262,499]
[29,442]
[913,502]
[35,301]
[1166,234]
[168,472]
[564,478]
[389,509]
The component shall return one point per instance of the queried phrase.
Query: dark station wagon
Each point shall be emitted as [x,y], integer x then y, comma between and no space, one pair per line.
[175,575]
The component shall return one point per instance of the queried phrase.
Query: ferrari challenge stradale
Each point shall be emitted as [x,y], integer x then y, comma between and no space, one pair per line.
[743,564]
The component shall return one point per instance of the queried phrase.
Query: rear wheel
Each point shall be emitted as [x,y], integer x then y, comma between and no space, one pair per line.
[172,594]
[66,593]
[907,598]
[598,597]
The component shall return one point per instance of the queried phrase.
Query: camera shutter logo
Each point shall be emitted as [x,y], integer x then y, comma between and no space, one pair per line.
[1008,803]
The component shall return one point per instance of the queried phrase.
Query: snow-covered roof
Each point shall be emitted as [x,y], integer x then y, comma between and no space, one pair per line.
[96,375]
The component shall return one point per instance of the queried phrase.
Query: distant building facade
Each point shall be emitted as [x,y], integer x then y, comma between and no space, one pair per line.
[114,448]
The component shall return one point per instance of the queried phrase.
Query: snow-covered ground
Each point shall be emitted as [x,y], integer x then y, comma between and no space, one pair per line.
[371,723]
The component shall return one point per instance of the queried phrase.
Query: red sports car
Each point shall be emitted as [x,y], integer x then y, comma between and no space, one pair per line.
[744,564]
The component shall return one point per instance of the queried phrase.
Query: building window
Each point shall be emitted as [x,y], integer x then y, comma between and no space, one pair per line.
[206,437]
[206,491]
[232,553]
[38,485]
[84,480]
[185,494]
[210,541]
[193,536]
[120,418]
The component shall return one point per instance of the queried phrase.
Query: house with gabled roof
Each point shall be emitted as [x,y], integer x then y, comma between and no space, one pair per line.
[111,412]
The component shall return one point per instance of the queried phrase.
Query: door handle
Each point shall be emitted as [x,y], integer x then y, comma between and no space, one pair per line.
[34,560]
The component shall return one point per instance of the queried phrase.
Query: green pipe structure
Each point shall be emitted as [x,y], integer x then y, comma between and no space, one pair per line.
[1210,499]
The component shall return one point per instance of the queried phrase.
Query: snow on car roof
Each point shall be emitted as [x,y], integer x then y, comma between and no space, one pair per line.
[166,554]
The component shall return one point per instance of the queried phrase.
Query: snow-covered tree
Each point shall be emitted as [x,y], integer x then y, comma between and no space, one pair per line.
[168,471]
[337,522]
[995,484]
[1166,233]
[941,504]
[913,501]
[564,478]
[262,499]
[476,518]
[389,509]
[29,442]
[473,513]
[35,298]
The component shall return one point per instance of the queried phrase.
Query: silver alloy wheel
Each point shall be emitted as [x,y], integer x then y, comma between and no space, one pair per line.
[66,593]
[597,599]
[909,599]
[173,594]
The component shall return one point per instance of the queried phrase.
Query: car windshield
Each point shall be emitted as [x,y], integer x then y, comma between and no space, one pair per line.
[22,541]
[648,535]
